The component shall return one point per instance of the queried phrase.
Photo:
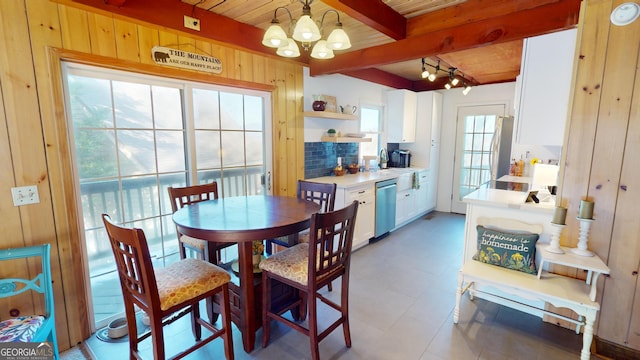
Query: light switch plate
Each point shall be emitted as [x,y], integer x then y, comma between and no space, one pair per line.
[25,195]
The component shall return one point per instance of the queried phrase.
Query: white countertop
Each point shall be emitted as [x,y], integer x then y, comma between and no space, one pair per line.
[364,178]
[507,198]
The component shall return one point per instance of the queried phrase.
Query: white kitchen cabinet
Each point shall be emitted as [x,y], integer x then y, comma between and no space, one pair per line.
[366,217]
[401,115]
[545,82]
[429,115]
[405,199]
[422,193]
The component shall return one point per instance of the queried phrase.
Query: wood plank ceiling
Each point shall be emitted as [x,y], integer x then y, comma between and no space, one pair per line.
[482,39]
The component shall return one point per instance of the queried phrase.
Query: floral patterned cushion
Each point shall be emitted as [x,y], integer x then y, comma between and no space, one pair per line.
[187,279]
[291,263]
[193,242]
[20,329]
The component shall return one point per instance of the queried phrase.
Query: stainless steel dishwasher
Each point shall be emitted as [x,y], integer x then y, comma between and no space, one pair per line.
[385,207]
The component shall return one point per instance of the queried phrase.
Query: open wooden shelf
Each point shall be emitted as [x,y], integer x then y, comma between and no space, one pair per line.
[329,115]
[344,139]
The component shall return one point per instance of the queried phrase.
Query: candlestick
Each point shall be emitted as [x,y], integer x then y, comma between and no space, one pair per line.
[554,246]
[581,250]
[559,215]
[586,209]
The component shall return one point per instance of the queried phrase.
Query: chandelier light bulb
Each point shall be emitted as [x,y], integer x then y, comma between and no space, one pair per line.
[290,51]
[466,90]
[425,73]
[274,37]
[447,86]
[321,51]
[455,81]
[432,77]
[338,39]
[306,30]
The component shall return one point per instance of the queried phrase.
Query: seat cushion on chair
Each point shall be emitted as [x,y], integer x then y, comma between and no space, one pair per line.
[187,279]
[20,329]
[193,242]
[291,263]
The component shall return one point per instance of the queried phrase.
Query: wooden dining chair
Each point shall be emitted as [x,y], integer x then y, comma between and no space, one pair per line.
[29,327]
[308,267]
[167,294]
[320,193]
[183,196]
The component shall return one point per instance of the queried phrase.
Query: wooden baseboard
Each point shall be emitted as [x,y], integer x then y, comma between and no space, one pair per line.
[612,350]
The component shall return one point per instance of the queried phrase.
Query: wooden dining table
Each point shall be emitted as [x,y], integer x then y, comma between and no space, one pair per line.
[242,220]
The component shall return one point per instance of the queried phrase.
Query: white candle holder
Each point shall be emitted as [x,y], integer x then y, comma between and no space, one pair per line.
[554,246]
[581,250]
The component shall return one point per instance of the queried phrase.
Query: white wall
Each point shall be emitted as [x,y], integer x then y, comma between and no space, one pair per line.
[479,95]
[347,90]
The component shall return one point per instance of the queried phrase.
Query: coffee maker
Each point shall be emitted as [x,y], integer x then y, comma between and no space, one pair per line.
[400,158]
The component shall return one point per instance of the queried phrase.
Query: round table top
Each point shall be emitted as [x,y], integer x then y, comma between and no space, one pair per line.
[245,218]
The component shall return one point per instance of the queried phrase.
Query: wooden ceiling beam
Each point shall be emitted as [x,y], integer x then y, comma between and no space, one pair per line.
[380,77]
[469,12]
[557,16]
[170,14]
[375,14]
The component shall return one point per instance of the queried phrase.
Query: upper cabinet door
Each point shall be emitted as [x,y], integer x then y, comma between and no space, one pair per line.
[545,84]
[401,115]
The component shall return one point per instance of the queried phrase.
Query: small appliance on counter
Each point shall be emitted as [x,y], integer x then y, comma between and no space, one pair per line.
[400,158]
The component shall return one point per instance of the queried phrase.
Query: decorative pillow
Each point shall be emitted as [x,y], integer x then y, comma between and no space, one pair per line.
[515,251]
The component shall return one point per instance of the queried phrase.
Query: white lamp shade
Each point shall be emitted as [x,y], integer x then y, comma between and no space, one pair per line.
[291,50]
[274,37]
[306,30]
[338,39]
[447,86]
[425,74]
[432,77]
[321,51]
[466,90]
[455,81]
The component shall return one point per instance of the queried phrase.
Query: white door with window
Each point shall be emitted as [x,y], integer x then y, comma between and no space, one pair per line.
[135,135]
[475,129]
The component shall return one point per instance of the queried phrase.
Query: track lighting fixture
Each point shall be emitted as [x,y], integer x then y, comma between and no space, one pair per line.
[306,31]
[453,79]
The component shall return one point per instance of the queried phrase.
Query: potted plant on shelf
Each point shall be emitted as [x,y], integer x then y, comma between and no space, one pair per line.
[331,132]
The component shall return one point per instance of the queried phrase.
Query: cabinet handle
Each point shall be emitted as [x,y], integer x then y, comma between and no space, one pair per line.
[361,191]
[407,195]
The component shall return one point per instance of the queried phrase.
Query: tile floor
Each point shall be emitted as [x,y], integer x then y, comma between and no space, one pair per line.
[402,295]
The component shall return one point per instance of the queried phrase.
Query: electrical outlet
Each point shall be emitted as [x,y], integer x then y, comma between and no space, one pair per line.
[25,195]
[191,23]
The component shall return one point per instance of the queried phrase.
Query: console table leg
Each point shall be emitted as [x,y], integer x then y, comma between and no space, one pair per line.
[456,310]
[587,336]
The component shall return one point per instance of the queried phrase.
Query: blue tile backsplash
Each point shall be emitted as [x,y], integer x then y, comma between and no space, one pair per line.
[320,158]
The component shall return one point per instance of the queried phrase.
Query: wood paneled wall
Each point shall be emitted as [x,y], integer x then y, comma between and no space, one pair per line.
[36,35]
[600,162]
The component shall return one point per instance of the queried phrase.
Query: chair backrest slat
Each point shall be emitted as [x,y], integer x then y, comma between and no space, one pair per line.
[40,283]
[322,194]
[181,196]
[330,240]
[133,261]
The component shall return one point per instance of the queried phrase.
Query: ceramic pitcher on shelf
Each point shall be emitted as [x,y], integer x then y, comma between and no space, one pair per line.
[348,109]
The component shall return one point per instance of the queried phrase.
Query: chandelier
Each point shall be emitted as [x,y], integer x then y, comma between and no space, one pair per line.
[305,31]
[453,79]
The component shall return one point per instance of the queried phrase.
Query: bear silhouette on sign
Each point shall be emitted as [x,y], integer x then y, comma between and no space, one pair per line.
[160,56]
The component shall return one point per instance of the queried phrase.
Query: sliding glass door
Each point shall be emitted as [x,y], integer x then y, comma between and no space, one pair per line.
[134,136]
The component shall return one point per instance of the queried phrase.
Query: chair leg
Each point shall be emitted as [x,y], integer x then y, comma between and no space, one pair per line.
[226,323]
[196,328]
[344,309]
[268,247]
[313,326]
[266,306]
[157,338]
